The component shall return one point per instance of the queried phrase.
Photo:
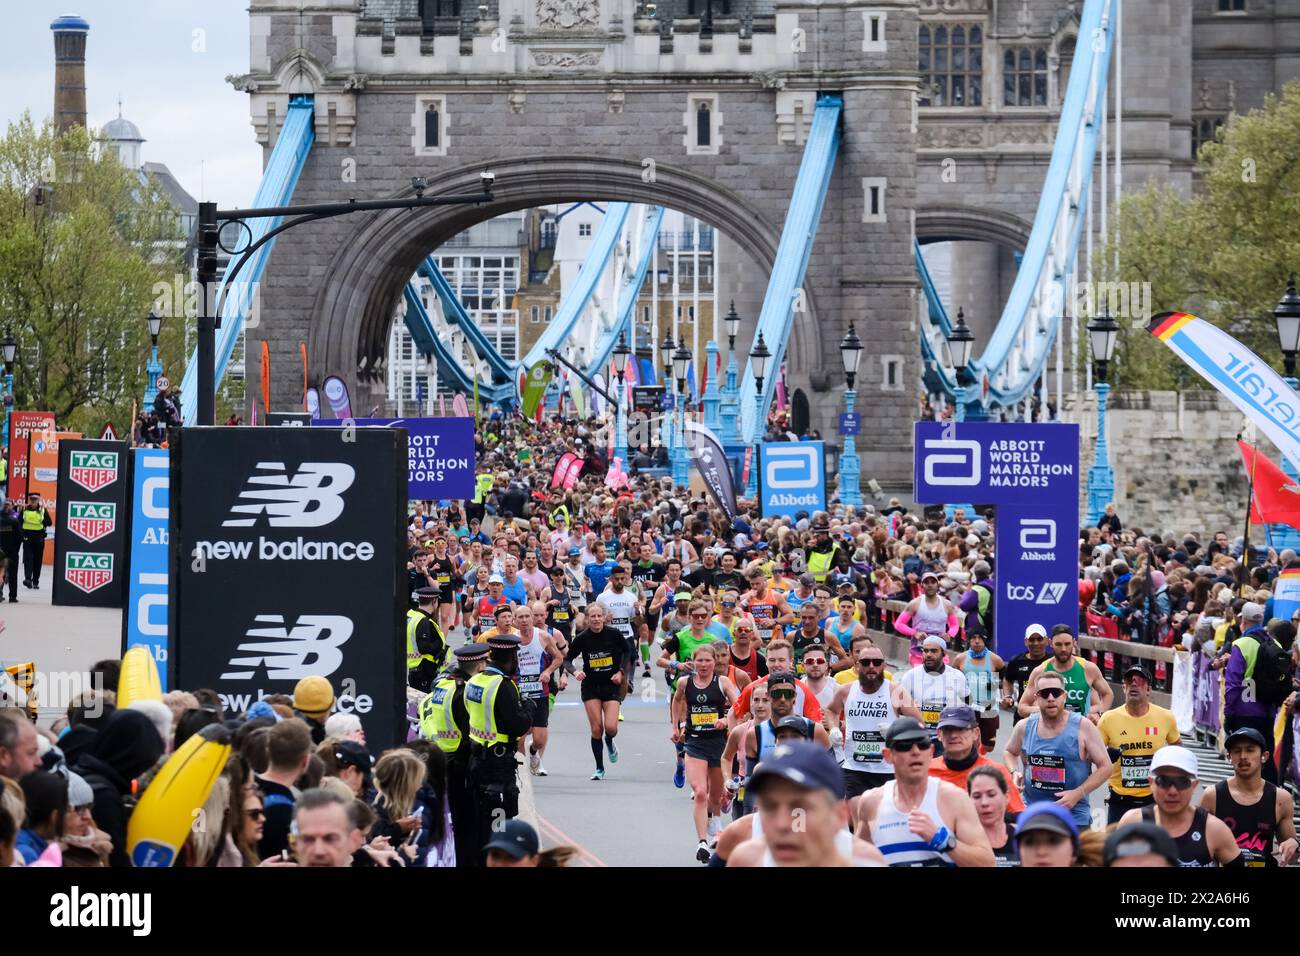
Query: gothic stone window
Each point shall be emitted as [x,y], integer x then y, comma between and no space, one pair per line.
[1232,6]
[1204,129]
[951,63]
[1024,77]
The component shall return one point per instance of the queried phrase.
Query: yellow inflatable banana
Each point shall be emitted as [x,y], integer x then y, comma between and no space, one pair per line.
[139,678]
[171,804]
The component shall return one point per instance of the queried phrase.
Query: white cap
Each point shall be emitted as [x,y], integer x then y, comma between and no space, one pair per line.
[934,640]
[1175,758]
[1037,629]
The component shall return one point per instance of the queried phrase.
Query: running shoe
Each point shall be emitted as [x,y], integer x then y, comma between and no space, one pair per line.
[534,761]
[646,672]
[679,776]
[702,852]
[612,751]
[540,771]
[598,775]
[725,805]
[620,715]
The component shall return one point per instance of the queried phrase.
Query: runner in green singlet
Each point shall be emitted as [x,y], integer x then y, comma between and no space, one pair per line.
[1086,691]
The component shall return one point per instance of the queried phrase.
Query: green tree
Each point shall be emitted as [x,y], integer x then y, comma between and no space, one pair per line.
[1223,254]
[83,242]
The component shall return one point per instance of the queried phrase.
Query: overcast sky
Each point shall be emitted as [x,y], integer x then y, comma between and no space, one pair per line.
[167,60]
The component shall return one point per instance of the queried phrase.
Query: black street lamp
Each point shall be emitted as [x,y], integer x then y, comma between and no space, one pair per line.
[758,359]
[666,356]
[732,321]
[681,362]
[961,342]
[851,353]
[1287,317]
[1103,332]
[155,326]
[621,353]
[10,349]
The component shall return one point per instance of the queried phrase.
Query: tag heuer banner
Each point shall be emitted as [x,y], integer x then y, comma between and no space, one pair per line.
[288,561]
[90,523]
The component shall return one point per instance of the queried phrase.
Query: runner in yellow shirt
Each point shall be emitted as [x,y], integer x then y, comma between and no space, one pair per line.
[1137,729]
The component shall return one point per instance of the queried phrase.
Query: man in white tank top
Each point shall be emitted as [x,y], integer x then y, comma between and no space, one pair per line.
[534,679]
[801,812]
[868,706]
[916,819]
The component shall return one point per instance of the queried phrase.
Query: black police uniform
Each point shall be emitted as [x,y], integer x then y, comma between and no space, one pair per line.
[34,547]
[11,540]
[493,775]
[460,795]
[430,640]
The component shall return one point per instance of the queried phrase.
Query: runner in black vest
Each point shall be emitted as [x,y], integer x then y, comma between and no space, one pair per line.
[1202,840]
[1259,814]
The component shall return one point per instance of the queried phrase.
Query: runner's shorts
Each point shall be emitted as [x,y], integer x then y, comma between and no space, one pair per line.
[707,748]
[600,690]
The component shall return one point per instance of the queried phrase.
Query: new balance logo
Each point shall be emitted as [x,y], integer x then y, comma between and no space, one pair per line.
[312,646]
[309,499]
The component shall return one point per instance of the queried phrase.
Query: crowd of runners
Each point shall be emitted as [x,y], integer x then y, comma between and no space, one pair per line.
[829,687]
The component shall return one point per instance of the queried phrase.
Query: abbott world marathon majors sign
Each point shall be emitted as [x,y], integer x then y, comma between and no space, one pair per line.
[439,454]
[287,555]
[1030,473]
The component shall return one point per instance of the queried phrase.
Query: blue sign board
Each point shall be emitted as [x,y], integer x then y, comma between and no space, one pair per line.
[850,423]
[793,477]
[667,400]
[440,454]
[1030,471]
[145,621]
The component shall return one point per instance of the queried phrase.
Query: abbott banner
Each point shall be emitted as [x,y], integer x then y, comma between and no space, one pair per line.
[791,477]
[89,523]
[287,549]
[440,454]
[145,620]
[1030,471]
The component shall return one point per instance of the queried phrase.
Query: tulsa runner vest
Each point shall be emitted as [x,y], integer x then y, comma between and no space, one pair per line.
[865,718]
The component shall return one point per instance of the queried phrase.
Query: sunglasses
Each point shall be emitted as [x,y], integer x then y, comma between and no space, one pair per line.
[905,746]
[782,695]
[871,661]
[1051,693]
[814,660]
[1177,783]
[700,617]
[257,813]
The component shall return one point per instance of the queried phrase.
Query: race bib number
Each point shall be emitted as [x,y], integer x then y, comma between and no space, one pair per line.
[605,661]
[1134,771]
[868,746]
[561,615]
[705,718]
[930,714]
[530,687]
[1047,773]
[444,579]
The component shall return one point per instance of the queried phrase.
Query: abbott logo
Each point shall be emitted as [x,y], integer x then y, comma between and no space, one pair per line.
[1038,534]
[952,451]
[790,468]
[309,499]
[312,646]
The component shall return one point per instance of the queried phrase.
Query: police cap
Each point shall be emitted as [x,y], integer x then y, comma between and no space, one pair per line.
[503,642]
[467,653]
[428,594]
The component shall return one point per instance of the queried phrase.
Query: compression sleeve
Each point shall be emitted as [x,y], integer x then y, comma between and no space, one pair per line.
[952,625]
[903,625]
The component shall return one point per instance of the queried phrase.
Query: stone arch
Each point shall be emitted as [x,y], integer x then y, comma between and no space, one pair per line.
[355,303]
[942,223]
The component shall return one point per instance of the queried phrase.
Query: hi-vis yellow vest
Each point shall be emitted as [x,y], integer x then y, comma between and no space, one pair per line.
[437,722]
[413,655]
[819,564]
[480,700]
[33,520]
[482,485]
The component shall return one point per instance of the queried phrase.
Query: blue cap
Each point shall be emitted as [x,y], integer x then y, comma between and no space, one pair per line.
[1048,816]
[516,838]
[262,709]
[573,551]
[804,764]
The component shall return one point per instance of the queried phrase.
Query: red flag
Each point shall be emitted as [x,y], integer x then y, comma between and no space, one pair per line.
[1277,497]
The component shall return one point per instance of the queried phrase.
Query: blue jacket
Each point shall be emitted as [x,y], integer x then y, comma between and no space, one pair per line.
[30,845]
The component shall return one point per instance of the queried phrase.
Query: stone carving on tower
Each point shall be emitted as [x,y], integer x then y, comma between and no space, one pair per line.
[568,14]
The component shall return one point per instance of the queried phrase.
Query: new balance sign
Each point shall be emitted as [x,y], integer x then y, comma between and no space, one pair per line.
[88,571]
[91,521]
[93,470]
[311,521]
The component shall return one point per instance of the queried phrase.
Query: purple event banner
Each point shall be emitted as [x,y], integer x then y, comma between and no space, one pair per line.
[1030,472]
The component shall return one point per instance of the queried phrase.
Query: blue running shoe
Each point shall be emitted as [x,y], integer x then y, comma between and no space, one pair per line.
[679,776]
[612,751]
[598,775]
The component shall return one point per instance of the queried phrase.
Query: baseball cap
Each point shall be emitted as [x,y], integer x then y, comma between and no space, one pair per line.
[1179,556]
[793,722]
[782,677]
[1246,733]
[1036,630]
[905,728]
[261,709]
[1051,817]
[934,640]
[1137,669]
[1175,758]
[807,579]
[683,597]
[804,764]
[1140,839]
[313,695]
[928,575]
[958,715]
[1250,611]
[496,579]
[516,838]
[573,551]
[349,753]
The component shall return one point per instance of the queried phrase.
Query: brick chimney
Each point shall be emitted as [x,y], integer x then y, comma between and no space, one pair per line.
[69,72]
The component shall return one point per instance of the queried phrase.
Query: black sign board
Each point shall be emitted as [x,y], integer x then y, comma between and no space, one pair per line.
[288,561]
[299,419]
[90,523]
[646,398]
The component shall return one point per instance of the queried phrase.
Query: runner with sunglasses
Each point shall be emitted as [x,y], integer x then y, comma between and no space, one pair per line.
[1202,839]
[1064,756]
[744,656]
[867,707]
[916,819]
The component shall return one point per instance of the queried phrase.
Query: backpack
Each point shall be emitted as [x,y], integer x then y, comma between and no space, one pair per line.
[1272,673]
